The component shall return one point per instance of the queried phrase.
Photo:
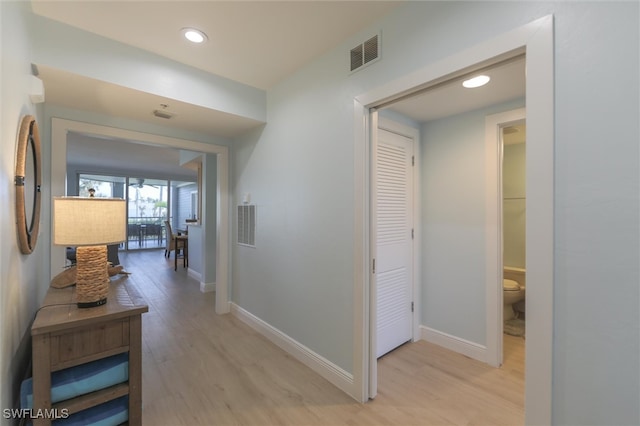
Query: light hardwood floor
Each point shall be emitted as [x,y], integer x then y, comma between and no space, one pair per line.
[200,368]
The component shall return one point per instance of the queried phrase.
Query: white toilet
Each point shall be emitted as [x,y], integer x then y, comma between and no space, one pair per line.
[512,292]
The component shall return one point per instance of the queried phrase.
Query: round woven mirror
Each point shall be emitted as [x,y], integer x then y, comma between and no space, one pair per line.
[28,181]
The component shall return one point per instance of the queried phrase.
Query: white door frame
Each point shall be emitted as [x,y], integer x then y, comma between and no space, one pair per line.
[535,40]
[413,134]
[494,227]
[60,128]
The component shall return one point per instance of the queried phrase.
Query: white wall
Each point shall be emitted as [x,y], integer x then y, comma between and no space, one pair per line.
[453,223]
[183,204]
[21,283]
[195,252]
[299,171]
[398,118]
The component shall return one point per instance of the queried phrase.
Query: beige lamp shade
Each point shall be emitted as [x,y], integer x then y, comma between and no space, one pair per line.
[81,221]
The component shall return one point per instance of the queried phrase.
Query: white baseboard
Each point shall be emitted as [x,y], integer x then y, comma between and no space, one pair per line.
[207,287]
[194,274]
[204,287]
[456,344]
[325,368]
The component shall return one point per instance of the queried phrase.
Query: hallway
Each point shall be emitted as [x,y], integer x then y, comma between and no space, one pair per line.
[202,368]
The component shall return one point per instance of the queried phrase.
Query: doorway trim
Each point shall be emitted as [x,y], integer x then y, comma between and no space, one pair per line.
[535,40]
[59,129]
[494,150]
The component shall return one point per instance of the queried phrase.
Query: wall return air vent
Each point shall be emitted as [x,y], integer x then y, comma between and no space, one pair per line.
[247,225]
[365,53]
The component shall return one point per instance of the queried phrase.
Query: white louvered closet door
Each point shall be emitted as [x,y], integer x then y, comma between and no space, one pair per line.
[394,223]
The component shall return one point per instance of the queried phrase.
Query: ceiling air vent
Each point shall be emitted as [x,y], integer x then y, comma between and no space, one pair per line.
[365,53]
[247,225]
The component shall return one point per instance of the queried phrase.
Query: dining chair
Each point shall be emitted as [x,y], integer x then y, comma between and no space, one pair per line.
[175,243]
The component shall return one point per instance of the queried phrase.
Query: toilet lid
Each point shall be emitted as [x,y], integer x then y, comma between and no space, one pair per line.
[510,285]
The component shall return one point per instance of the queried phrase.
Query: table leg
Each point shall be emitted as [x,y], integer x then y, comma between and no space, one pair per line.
[175,254]
[41,377]
[135,371]
[185,254]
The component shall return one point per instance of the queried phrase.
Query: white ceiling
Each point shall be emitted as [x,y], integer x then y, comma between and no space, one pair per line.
[86,94]
[253,42]
[507,83]
[258,43]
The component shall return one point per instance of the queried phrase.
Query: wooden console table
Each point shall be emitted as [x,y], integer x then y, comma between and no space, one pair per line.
[65,336]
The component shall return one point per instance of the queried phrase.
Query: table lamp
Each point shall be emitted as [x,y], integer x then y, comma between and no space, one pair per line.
[89,224]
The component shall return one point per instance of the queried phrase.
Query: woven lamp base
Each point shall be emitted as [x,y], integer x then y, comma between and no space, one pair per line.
[92,279]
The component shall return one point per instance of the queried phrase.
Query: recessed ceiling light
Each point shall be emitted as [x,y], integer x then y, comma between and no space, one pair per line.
[194,35]
[477,81]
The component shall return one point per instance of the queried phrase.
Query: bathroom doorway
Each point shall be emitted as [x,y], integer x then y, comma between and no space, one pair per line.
[505,136]
[513,143]
[514,227]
